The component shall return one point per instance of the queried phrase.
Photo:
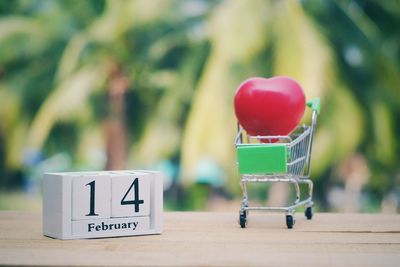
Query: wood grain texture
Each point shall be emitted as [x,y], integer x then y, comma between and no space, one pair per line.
[214,239]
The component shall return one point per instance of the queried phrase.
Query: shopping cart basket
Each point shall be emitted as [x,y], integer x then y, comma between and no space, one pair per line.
[263,160]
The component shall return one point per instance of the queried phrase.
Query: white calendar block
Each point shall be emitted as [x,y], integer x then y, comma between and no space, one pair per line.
[102,204]
[131,194]
[91,197]
[156,191]
[57,205]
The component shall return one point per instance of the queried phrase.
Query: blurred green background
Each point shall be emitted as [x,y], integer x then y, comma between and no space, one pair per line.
[94,85]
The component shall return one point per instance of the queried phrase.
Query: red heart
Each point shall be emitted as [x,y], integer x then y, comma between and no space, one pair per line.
[272,106]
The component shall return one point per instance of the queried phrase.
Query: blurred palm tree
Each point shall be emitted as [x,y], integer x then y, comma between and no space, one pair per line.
[124,53]
[130,83]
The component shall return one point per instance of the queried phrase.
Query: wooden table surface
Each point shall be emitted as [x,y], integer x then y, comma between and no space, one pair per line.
[214,239]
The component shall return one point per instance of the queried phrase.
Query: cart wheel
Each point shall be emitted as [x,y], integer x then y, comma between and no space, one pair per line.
[242,220]
[309,213]
[289,221]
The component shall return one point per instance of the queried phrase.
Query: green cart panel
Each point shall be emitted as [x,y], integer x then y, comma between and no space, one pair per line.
[262,159]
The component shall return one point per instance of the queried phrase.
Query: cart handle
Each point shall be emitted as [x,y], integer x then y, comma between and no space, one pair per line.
[315,104]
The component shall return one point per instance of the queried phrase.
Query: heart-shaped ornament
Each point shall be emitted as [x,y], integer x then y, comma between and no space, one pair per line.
[271,106]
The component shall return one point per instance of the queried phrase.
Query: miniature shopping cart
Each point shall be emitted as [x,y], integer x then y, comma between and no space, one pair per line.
[263,160]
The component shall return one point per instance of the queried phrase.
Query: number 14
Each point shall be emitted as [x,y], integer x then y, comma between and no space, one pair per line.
[135,201]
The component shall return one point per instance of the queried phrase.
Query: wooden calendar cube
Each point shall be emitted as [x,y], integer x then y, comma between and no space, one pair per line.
[131,201]
[102,204]
[91,197]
